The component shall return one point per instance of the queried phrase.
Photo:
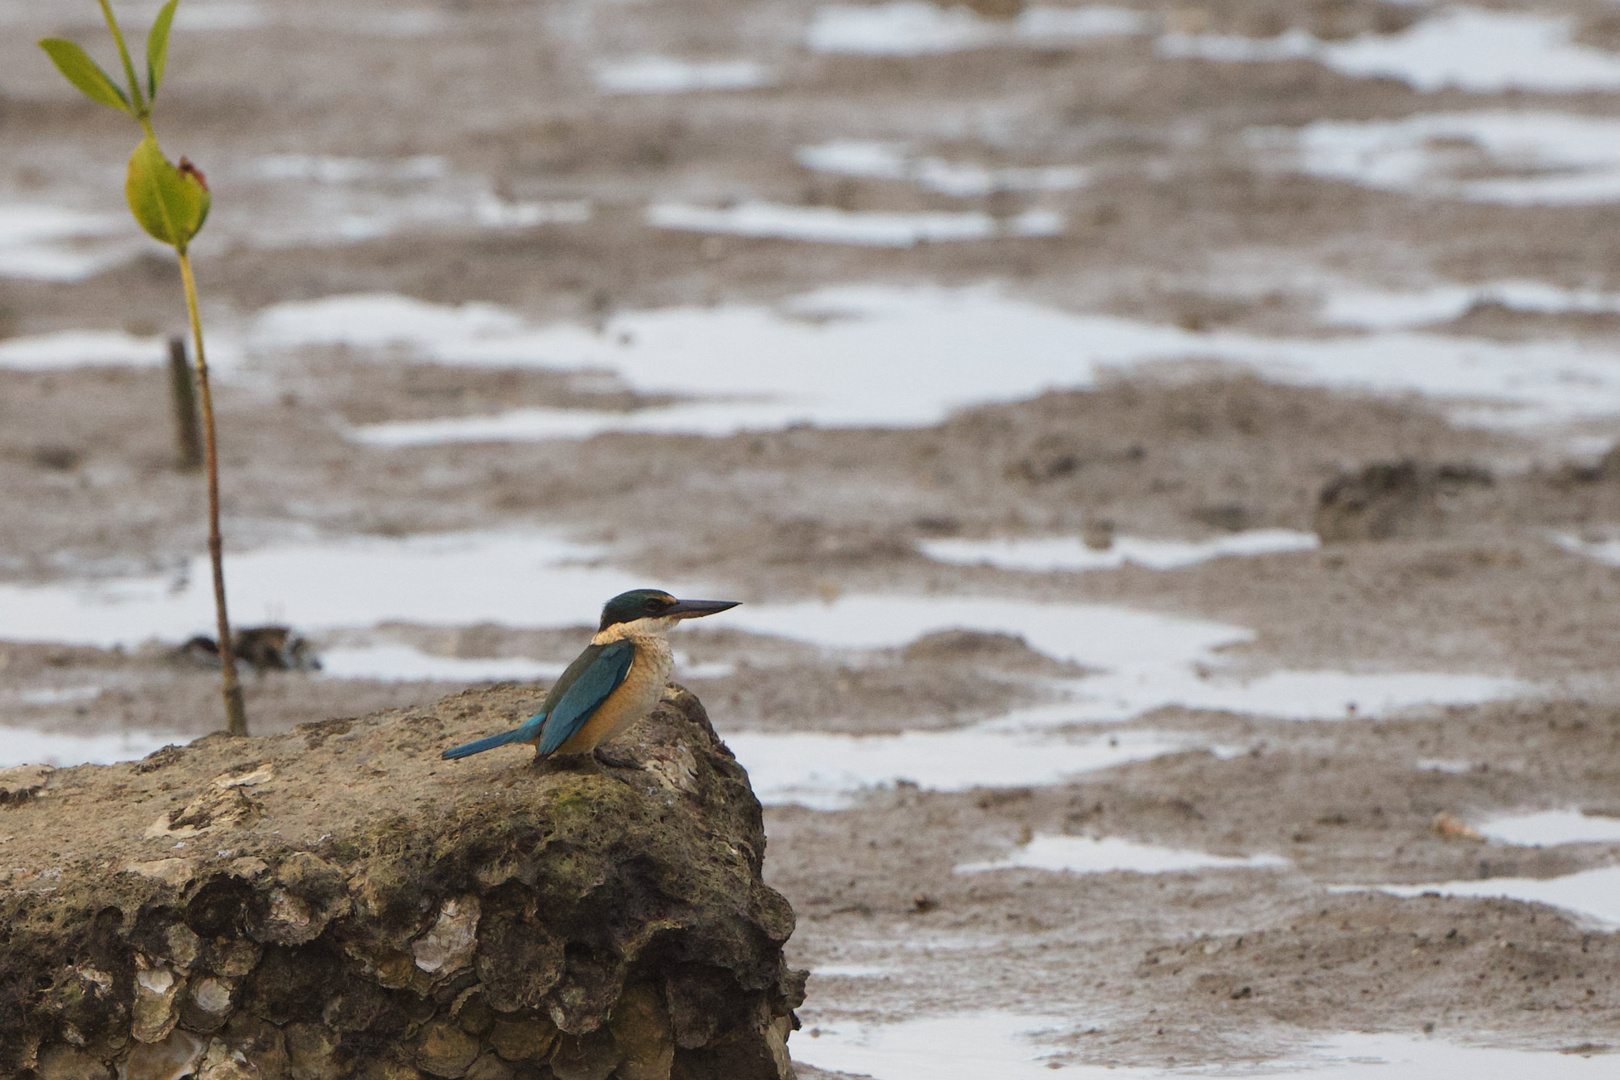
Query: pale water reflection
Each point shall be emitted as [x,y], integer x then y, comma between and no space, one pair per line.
[517,579]
[1141,660]
[400,663]
[1110,854]
[917,28]
[1073,553]
[81,348]
[1593,896]
[829,771]
[891,356]
[1378,309]
[671,75]
[1516,157]
[1551,827]
[22,746]
[53,243]
[1008,1045]
[866,228]
[962,179]
[1469,49]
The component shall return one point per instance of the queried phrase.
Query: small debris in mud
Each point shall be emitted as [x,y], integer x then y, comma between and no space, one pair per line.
[1449,826]
[1098,534]
[56,457]
[1390,500]
[264,648]
[1228,517]
[20,783]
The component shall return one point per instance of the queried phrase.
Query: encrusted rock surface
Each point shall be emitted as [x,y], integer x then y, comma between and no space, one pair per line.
[337,901]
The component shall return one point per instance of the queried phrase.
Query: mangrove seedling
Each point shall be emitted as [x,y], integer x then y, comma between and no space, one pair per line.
[171,203]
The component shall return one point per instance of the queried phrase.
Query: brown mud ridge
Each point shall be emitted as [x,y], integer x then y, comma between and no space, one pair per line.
[338,901]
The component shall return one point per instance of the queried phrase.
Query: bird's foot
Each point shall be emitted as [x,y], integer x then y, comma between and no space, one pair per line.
[613,757]
[584,763]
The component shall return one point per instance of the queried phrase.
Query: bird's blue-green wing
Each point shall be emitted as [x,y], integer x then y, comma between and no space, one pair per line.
[598,671]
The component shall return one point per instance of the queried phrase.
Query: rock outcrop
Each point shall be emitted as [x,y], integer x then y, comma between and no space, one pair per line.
[338,902]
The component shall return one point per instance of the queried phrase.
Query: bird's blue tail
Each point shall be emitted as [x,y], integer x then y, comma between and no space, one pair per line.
[505,737]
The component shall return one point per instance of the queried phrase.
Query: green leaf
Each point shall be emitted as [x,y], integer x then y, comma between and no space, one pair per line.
[85,73]
[157,48]
[170,203]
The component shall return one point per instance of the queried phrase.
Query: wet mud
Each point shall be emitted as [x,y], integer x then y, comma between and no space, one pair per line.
[1446,544]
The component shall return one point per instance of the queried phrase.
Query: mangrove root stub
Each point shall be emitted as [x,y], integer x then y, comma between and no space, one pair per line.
[188,441]
[337,901]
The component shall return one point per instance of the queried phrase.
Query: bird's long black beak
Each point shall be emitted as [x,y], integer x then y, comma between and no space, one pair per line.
[693,609]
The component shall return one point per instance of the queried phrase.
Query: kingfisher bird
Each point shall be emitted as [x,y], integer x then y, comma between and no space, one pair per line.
[616,681]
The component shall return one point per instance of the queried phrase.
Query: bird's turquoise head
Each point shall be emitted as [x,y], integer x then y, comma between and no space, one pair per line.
[656,604]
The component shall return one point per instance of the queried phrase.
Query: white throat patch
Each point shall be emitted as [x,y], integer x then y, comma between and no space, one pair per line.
[637,628]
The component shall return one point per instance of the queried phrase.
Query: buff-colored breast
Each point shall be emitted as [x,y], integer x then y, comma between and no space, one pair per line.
[636,697]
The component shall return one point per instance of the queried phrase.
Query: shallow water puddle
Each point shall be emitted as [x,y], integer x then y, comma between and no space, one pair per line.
[670,75]
[58,695]
[340,215]
[401,663]
[991,1045]
[1147,660]
[518,579]
[52,243]
[1073,553]
[1358,1056]
[348,170]
[896,356]
[964,1046]
[1467,48]
[528,579]
[1603,551]
[1497,156]
[1481,51]
[1095,635]
[1592,894]
[304,199]
[1549,827]
[533,425]
[383,320]
[917,28]
[1295,44]
[232,15]
[853,971]
[395,662]
[891,161]
[1373,309]
[1107,854]
[868,228]
[221,15]
[1450,768]
[21,746]
[338,200]
[827,771]
[82,348]
[1287,695]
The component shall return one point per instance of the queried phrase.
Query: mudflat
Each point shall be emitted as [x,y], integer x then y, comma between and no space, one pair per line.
[1160,449]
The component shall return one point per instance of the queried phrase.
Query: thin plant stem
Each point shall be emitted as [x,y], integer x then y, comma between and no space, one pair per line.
[231,688]
[139,99]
